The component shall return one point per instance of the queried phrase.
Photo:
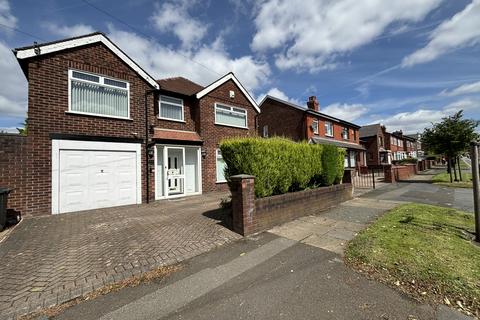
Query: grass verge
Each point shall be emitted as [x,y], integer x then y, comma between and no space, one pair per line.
[443,179]
[423,250]
[153,275]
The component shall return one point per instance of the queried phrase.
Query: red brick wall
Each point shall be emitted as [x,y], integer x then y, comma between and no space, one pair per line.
[12,167]
[48,101]
[292,121]
[252,215]
[212,134]
[190,112]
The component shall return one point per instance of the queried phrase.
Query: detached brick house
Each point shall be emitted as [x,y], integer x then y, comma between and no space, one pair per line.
[102,132]
[384,147]
[285,119]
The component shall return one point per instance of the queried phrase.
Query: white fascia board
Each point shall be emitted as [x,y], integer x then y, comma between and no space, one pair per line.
[222,80]
[73,43]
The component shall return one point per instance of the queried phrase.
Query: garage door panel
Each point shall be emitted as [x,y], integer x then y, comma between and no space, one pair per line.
[91,179]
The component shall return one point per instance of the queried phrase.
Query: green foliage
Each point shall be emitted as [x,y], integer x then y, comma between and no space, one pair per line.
[451,136]
[408,160]
[281,165]
[24,130]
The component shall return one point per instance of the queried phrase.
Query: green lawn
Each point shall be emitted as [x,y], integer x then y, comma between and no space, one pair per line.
[424,250]
[444,180]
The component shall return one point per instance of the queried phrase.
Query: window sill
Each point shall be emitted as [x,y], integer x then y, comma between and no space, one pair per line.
[228,125]
[97,115]
[173,120]
[328,136]
[220,182]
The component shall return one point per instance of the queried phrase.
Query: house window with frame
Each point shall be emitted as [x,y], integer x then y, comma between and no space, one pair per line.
[315,126]
[265,131]
[230,116]
[98,95]
[221,165]
[345,133]
[170,108]
[328,129]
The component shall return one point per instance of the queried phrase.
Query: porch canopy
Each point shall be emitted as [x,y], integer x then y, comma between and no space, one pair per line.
[342,144]
[177,136]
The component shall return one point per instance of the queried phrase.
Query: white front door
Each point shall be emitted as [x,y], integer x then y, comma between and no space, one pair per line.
[91,179]
[178,171]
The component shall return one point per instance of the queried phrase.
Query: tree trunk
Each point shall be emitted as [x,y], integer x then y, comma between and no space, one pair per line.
[454,168]
[449,167]
[459,169]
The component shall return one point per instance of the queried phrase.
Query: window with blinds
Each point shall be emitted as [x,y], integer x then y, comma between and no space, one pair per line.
[98,95]
[170,108]
[230,116]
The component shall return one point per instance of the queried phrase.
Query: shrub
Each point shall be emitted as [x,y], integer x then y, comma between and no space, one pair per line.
[281,165]
[408,160]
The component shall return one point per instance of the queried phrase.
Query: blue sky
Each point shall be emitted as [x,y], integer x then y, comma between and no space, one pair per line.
[404,63]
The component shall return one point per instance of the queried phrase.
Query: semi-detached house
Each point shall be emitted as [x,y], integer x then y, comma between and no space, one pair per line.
[285,119]
[102,132]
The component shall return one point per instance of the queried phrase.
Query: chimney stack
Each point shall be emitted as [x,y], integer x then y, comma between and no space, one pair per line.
[313,104]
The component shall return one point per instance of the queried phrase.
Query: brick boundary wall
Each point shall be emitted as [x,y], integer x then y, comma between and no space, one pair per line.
[252,215]
[12,169]
[398,173]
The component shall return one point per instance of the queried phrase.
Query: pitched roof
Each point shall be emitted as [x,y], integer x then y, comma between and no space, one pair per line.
[370,130]
[222,80]
[304,109]
[179,85]
[342,144]
[96,37]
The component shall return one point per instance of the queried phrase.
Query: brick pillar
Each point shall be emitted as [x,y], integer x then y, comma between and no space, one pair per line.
[389,174]
[243,204]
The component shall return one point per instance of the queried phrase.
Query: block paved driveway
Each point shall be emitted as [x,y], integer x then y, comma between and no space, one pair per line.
[52,259]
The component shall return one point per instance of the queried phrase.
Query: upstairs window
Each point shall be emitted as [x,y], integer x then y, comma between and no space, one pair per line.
[98,95]
[345,133]
[170,108]
[315,126]
[328,129]
[230,116]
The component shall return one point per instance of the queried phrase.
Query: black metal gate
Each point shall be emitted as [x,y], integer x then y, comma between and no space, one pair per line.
[368,178]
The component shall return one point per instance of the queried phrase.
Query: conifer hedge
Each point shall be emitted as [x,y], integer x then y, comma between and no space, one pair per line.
[281,165]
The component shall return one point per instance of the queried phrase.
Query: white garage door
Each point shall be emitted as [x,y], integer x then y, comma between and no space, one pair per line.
[101,177]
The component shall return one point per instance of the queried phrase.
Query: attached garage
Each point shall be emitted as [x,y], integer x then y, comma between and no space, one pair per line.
[89,175]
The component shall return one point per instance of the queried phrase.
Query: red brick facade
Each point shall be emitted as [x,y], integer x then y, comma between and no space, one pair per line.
[48,117]
[12,168]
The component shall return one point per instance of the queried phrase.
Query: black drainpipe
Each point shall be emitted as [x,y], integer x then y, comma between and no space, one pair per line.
[147,157]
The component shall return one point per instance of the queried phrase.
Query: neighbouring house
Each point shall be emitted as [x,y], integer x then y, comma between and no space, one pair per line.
[417,144]
[103,132]
[384,147]
[377,143]
[286,119]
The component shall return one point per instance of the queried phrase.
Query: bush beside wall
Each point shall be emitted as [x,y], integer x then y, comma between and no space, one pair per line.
[281,165]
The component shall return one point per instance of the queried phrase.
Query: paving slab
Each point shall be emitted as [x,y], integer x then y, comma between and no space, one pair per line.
[52,259]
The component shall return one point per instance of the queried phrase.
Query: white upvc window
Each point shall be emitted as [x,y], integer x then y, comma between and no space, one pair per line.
[328,129]
[230,116]
[265,131]
[345,134]
[315,126]
[221,165]
[170,108]
[98,95]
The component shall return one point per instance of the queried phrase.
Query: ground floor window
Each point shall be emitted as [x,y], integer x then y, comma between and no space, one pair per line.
[220,167]
[350,159]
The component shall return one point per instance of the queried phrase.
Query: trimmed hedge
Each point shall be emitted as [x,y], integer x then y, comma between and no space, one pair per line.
[281,165]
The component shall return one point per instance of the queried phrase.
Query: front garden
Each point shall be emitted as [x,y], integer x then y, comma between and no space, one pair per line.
[424,250]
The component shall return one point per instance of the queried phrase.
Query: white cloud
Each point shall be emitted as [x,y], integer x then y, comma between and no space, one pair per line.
[6,16]
[197,65]
[68,31]
[462,90]
[13,91]
[418,120]
[277,93]
[462,30]
[347,112]
[311,34]
[9,129]
[174,17]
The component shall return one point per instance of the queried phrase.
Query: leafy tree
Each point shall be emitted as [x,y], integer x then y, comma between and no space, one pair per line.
[450,137]
[23,131]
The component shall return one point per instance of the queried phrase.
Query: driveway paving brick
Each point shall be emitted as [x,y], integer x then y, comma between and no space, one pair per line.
[52,259]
